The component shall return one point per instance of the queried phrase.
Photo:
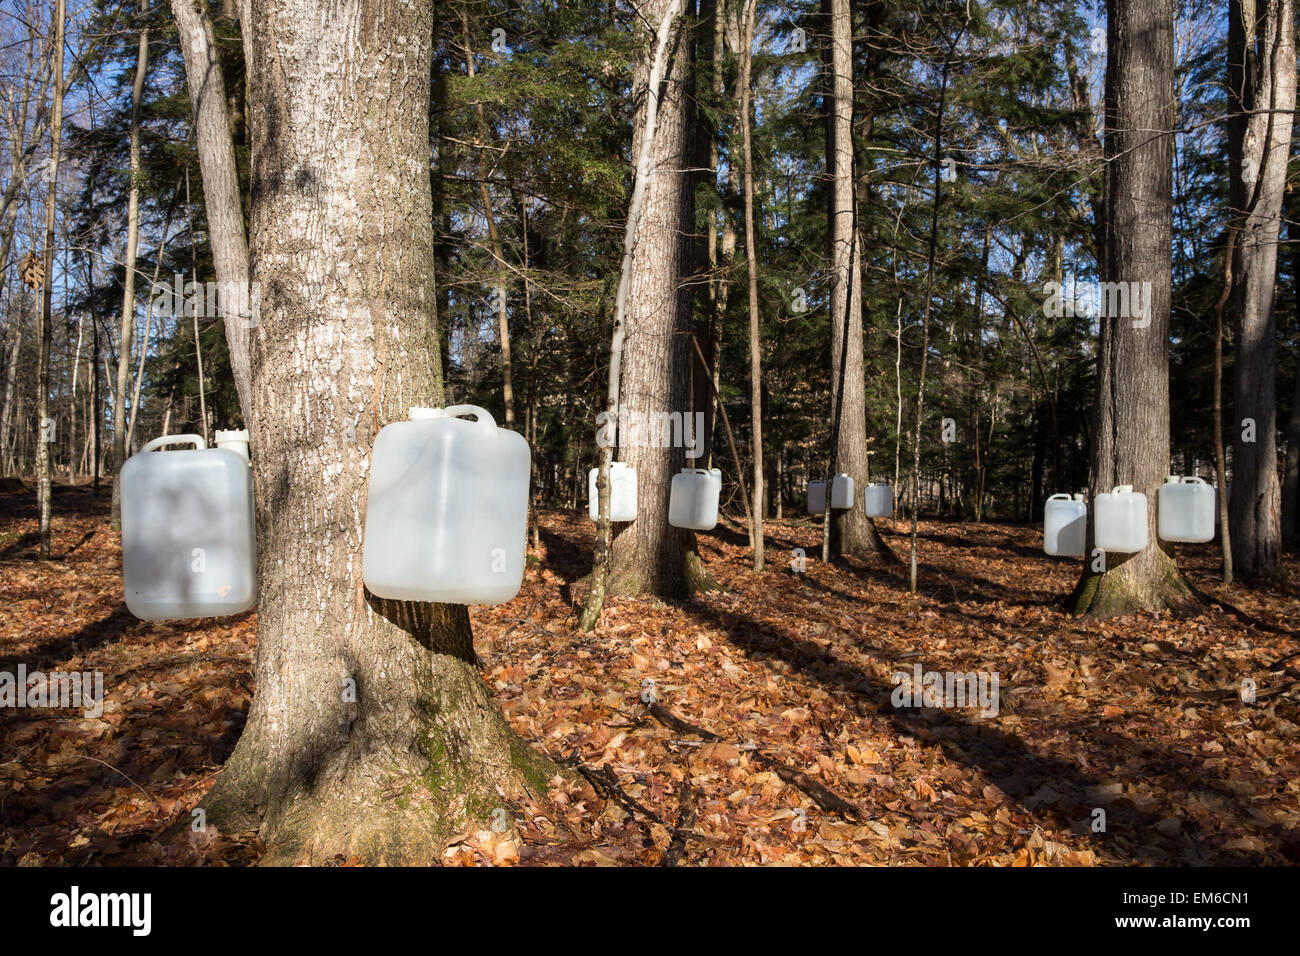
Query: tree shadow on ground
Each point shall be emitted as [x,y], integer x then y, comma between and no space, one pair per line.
[1002,758]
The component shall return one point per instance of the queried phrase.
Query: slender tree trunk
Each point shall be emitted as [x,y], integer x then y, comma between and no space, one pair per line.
[914,481]
[144,346]
[500,298]
[1131,414]
[72,402]
[127,324]
[1220,457]
[851,531]
[221,203]
[743,84]
[371,732]
[46,324]
[1262,86]
[6,417]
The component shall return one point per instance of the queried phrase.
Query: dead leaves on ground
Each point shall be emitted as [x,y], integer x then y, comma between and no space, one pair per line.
[780,685]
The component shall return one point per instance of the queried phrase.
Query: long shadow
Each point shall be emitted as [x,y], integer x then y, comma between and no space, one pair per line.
[1001,757]
[1005,543]
[24,542]
[99,632]
[567,556]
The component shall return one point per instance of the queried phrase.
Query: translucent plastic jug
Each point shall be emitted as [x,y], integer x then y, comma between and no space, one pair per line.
[1121,520]
[622,492]
[447,510]
[878,501]
[1065,526]
[1185,510]
[816,497]
[189,548]
[842,495]
[693,499]
[842,492]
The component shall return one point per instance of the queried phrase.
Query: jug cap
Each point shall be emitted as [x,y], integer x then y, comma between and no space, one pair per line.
[236,441]
[1122,490]
[416,413]
[1171,479]
[1078,497]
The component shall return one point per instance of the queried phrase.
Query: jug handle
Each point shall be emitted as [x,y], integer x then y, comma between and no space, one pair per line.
[195,440]
[1059,497]
[1193,480]
[481,415]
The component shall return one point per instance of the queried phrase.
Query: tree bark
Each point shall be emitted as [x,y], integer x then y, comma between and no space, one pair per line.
[851,531]
[649,556]
[1261,96]
[371,732]
[6,417]
[221,203]
[46,325]
[1291,475]
[1131,411]
[500,296]
[127,324]
[743,84]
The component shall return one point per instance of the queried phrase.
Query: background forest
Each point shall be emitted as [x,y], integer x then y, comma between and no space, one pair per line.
[531,119]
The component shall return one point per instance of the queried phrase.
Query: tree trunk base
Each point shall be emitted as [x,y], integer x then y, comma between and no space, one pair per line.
[397,804]
[1145,582]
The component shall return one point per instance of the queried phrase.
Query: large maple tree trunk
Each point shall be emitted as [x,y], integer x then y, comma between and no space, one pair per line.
[649,556]
[851,532]
[371,732]
[1131,411]
[1261,96]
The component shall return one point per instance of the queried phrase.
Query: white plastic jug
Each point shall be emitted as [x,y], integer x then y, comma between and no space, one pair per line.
[842,495]
[189,548]
[1185,510]
[842,492]
[878,500]
[234,440]
[816,497]
[447,509]
[1065,526]
[693,499]
[1121,520]
[622,492]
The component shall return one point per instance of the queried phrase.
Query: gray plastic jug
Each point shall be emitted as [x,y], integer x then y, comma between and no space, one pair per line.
[189,548]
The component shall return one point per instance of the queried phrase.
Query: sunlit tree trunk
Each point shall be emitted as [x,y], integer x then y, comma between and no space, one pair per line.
[1131,412]
[371,732]
[43,419]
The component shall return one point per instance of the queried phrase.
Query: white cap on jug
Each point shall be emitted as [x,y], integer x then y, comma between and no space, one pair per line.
[416,413]
[234,440]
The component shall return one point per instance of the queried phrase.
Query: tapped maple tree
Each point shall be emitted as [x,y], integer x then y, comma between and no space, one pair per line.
[371,733]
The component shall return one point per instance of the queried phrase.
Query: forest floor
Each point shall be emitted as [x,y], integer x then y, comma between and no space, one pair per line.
[749,725]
